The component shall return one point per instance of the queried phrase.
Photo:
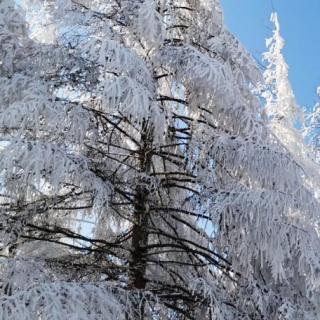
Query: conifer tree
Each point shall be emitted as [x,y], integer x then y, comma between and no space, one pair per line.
[140,179]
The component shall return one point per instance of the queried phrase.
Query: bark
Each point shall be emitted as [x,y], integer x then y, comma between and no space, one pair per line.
[139,241]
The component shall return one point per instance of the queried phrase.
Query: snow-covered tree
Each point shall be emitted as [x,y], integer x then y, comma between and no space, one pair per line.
[313,125]
[285,117]
[280,100]
[140,179]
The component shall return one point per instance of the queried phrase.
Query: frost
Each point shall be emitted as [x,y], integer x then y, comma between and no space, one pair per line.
[280,100]
[148,24]
[142,174]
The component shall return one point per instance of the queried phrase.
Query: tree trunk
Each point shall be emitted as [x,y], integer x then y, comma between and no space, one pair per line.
[137,266]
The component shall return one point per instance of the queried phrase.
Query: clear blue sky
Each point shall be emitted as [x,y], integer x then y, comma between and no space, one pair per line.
[300,27]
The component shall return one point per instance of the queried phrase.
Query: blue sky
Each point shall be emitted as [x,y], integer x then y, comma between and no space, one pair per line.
[300,27]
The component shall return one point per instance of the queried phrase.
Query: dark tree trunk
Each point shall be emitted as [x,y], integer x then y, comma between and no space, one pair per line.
[137,266]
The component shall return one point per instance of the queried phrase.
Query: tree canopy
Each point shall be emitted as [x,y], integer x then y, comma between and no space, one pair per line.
[141,177]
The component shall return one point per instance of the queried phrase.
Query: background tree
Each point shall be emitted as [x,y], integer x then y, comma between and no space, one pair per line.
[140,179]
[311,129]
